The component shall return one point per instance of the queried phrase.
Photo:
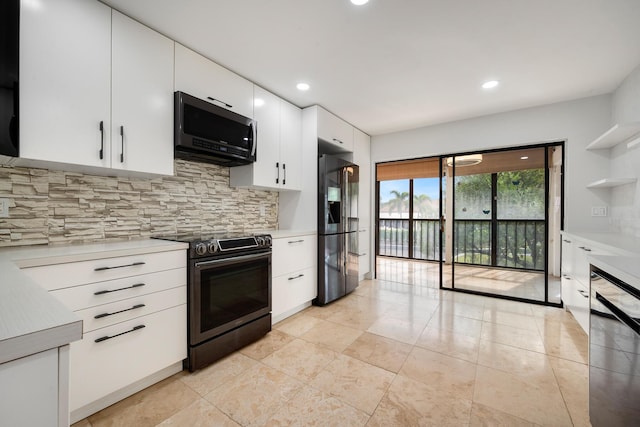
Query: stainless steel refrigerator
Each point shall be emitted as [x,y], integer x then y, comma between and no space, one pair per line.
[337,228]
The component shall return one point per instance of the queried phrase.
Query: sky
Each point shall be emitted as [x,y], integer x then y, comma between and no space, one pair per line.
[428,186]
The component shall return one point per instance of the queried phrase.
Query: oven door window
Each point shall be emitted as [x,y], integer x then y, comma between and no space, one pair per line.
[233,293]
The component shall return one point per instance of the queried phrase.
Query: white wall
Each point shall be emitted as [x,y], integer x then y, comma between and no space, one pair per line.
[625,163]
[577,122]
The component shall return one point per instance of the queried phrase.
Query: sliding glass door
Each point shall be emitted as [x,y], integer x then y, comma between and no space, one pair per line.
[499,223]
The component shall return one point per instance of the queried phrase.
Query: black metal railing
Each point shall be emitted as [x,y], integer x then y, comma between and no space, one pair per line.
[393,235]
[518,244]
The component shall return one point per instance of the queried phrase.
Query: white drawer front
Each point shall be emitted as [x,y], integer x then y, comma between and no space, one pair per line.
[293,289]
[60,276]
[293,253]
[109,314]
[100,368]
[84,296]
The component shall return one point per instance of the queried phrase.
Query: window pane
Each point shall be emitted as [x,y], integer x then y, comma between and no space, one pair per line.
[473,196]
[426,198]
[394,199]
[521,194]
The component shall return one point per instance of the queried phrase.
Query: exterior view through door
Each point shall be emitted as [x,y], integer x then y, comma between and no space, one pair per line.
[486,222]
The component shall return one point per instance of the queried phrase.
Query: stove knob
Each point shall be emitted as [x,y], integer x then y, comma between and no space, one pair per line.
[267,240]
[201,249]
[260,240]
[213,247]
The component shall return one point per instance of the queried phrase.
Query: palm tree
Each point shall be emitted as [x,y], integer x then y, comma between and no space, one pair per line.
[399,202]
[423,204]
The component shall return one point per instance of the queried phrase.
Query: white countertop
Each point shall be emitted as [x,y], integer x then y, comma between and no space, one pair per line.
[31,320]
[626,269]
[617,243]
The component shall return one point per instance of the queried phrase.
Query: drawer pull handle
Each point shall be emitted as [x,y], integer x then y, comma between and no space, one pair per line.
[120,266]
[108,291]
[296,277]
[583,293]
[108,337]
[291,242]
[363,254]
[565,240]
[338,141]
[100,316]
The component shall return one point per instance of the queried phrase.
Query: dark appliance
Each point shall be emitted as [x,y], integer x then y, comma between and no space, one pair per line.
[9,62]
[337,228]
[614,351]
[228,294]
[207,133]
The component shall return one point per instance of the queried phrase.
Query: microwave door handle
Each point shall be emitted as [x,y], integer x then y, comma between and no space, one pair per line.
[255,137]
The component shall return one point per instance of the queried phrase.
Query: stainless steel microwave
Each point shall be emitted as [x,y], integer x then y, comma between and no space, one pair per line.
[208,133]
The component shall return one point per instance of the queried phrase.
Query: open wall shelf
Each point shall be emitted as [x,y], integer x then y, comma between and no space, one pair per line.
[615,135]
[611,182]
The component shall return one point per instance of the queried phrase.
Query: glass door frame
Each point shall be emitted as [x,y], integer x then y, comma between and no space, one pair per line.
[545,146]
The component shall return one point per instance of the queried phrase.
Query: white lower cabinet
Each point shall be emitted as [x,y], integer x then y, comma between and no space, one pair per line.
[364,265]
[125,353]
[294,275]
[29,391]
[134,317]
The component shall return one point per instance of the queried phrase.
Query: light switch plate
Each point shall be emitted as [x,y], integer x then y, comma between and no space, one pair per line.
[4,207]
[598,211]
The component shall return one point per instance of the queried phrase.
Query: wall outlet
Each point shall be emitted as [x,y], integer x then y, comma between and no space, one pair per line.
[4,207]
[598,211]
[262,211]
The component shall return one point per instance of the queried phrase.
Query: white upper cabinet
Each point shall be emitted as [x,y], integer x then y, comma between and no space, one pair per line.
[142,98]
[291,145]
[334,131]
[204,79]
[65,72]
[279,146]
[82,79]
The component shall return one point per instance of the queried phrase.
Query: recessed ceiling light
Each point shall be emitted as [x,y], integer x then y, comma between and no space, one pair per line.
[524,157]
[490,84]
[359,2]
[303,86]
[258,102]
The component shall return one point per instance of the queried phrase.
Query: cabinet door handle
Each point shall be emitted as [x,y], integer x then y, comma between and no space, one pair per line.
[120,266]
[291,242]
[101,139]
[220,102]
[284,169]
[296,277]
[278,175]
[100,316]
[108,291]
[338,141]
[122,144]
[108,337]
[565,240]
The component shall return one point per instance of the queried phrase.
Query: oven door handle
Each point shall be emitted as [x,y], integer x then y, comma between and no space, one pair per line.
[231,259]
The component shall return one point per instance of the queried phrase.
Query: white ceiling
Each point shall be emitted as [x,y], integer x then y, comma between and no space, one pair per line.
[399,64]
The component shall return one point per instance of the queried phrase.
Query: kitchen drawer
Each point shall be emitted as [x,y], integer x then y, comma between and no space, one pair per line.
[60,276]
[120,311]
[101,368]
[84,296]
[292,290]
[293,253]
[577,301]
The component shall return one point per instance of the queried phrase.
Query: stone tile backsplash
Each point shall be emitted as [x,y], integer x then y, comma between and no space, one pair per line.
[48,206]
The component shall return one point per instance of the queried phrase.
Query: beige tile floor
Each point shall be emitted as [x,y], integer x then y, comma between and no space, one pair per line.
[389,354]
[508,282]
